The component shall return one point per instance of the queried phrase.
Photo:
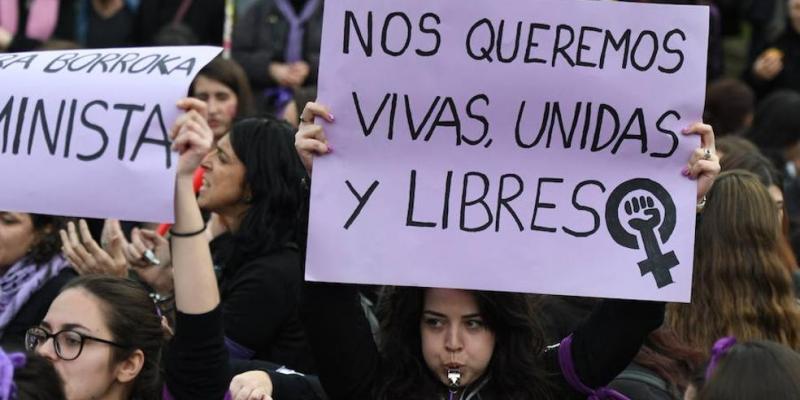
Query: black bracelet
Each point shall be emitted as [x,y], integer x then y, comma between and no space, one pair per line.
[187,234]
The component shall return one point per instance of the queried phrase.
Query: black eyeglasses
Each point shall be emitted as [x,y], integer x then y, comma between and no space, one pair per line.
[68,344]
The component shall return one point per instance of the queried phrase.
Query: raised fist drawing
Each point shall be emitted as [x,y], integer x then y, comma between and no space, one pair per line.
[643,205]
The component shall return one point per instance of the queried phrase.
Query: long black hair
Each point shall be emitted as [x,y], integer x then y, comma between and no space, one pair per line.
[273,176]
[515,368]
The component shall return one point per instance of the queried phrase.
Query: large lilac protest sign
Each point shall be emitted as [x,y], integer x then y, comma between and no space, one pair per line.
[86,132]
[531,146]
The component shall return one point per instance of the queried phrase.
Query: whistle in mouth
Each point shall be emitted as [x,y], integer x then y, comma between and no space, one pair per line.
[454,376]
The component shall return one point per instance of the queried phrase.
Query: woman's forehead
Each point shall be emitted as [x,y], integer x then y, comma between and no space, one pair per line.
[76,307]
[452,300]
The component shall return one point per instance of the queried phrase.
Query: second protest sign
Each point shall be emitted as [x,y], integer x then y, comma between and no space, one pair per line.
[534,147]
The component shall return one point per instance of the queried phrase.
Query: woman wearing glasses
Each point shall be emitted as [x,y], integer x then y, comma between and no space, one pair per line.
[104,335]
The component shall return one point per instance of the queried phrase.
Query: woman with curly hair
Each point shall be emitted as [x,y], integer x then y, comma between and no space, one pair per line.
[741,285]
[32,272]
[450,343]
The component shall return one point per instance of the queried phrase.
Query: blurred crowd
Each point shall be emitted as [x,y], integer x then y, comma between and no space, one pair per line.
[216,306]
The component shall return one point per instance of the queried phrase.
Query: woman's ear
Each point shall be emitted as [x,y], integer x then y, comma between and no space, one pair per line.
[129,368]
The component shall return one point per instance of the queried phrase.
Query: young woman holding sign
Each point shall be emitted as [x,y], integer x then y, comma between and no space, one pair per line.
[451,343]
[105,337]
[251,182]
[117,345]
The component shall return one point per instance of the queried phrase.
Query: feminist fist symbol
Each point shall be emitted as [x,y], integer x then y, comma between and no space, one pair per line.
[647,206]
[657,263]
[649,222]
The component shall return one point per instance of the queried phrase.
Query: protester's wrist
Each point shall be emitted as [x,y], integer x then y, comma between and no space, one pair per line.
[184,179]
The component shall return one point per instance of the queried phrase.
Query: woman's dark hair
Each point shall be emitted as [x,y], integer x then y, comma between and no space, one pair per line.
[776,125]
[49,242]
[755,370]
[230,74]
[38,380]
[729,102]
[664,354]
[132,319]
[273,176]
[515,365]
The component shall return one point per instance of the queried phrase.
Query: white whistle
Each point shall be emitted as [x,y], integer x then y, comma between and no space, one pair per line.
[454,376]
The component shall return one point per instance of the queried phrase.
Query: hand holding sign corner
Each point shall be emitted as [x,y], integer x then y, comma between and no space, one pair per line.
[652,221]
[310,139]
[704,162]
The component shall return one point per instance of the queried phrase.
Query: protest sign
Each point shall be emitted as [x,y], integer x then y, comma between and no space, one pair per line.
[86,132]
[533,147]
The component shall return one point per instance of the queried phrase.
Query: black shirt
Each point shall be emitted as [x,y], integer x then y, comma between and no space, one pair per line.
[260,303]
[115,31]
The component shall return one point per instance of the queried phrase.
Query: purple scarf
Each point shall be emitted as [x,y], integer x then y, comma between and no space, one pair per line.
[294,44]
[21,282]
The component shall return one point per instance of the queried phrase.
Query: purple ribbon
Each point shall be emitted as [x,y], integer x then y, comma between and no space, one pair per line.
[720,349]
[238,351]
[8,362]
[568,370]
[294,43]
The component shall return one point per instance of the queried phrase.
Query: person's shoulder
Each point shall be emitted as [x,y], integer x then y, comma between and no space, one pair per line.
[638,382]
[283,262]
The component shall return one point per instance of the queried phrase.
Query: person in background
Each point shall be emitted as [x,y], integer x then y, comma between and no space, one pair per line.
[277,42]
[223,85]
[736,146]
[105,23]
[26,24]
[730,105]
[778,67]
[28,377]
[756,163]
[757,369]
[741,283]
[32,272]
[661,371]
[202,18]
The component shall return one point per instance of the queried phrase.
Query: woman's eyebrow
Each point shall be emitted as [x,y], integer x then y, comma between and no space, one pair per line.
[434,313]
[69,327]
